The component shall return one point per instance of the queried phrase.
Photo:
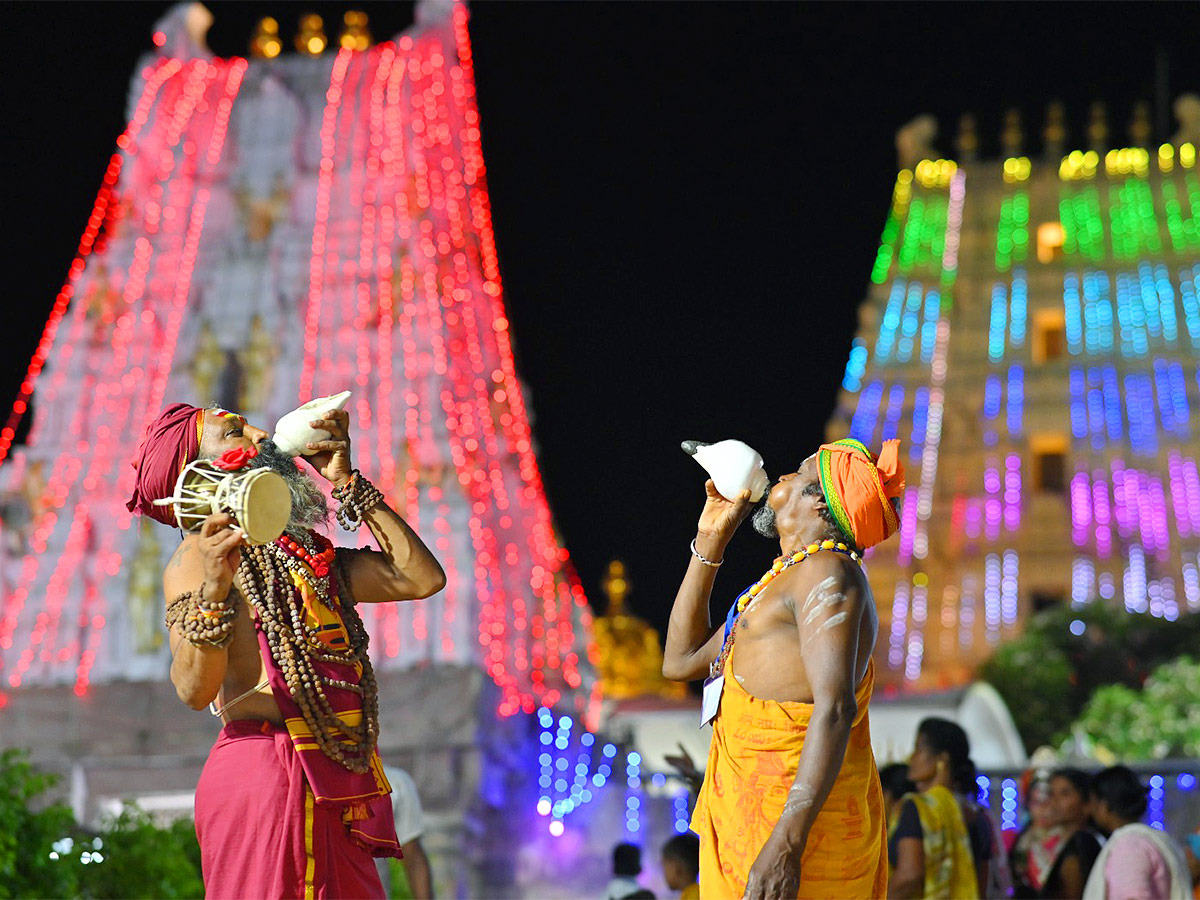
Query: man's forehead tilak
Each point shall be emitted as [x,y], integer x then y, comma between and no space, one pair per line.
[226,414]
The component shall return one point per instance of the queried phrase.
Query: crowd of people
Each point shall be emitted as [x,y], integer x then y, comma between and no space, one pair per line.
[1083,837]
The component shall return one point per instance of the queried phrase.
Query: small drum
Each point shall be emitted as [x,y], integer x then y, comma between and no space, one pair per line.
[258,499]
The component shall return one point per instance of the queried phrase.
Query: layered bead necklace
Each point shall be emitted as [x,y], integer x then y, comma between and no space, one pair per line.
[264,579]
[296,556]
[747,596]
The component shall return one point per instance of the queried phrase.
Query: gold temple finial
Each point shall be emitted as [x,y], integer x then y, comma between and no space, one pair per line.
[630,655]
[355,35]
[1139,125]
[967,141]
[615,586]
[1012,136]
[311,40]
[1097,130]
[266,43]
[1055,133]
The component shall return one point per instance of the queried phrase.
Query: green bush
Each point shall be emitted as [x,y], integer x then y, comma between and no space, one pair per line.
[43,853]
[27,835]
[1114,648]
[1161,720]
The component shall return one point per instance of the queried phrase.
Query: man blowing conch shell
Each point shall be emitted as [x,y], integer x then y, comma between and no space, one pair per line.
[791,804]
[292,801]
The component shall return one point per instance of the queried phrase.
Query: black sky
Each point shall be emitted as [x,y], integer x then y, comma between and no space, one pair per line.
[687,199]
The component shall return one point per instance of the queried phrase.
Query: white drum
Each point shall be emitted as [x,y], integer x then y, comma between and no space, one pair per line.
[258,499]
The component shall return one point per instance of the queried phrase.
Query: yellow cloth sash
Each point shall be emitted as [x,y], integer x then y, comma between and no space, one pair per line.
[949,862]
[752,764]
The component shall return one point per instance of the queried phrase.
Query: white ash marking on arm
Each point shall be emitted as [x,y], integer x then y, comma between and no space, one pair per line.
[799,797]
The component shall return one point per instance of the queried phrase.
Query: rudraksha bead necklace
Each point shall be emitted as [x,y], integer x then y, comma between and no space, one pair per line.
[265,582]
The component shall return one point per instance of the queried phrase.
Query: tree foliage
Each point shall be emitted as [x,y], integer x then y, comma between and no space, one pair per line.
[1159,721]
[43,853]
[1049,674]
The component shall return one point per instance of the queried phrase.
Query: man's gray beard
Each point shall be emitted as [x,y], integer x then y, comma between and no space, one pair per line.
[309,506]
[764,522]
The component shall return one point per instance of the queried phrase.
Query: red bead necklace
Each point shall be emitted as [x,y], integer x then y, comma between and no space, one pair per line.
[318,562]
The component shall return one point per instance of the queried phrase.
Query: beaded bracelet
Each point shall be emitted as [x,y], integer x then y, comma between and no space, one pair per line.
[201,622]
[707,562]
[356,497]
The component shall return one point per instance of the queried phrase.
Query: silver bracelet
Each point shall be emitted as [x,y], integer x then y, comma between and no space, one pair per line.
[707,562]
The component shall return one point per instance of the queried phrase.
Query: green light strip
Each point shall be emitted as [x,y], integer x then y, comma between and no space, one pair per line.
[1134,224]
[1185,233]
[1012,235]
[883,259]
[924,234]
[1083,228]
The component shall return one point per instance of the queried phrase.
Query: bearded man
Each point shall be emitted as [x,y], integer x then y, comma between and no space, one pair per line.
[292,801]
[791,804]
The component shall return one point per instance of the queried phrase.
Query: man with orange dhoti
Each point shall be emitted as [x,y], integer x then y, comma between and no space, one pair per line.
[791,804]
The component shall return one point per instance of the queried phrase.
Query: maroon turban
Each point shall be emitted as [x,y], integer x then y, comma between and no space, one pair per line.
[170,443]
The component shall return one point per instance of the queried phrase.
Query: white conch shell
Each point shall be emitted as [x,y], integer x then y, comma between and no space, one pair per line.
[734,467]
[293,433]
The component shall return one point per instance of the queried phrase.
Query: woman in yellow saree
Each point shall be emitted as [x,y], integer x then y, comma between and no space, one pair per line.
[936,850]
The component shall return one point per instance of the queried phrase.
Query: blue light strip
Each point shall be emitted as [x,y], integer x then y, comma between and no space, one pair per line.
[682,818]
[996,326]
[565,768]
[983,795]
[1018,309]
[1008,805]
[1172,409]
[1188,279]
[1112,402]
[891,421]
[933,305]
[1016,400]
[1097,313]
[909,323]
[1095,408]
[1166,305]
[633,795]
[890,324]
[920,422]
[1072,313]
[1079,412]
[1139,405]
[866,415]
[1131,317]
[1151,311]
[855,366]
[1155,807]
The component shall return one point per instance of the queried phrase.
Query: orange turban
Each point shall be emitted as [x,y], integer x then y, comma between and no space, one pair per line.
[860,489]
[170,443]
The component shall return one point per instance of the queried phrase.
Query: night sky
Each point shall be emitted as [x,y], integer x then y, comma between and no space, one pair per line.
[687,200]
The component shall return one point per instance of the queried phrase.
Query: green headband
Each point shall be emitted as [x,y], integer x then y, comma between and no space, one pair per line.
[832,499]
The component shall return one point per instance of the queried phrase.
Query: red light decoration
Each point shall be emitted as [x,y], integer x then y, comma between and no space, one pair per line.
[403,304]
[417,276]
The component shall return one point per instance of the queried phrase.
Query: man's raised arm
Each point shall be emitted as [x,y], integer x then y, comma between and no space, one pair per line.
[827,621]
[691,644]
[403,568]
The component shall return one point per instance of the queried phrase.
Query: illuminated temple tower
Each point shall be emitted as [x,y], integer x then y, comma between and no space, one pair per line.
[1031,332]
[267,230]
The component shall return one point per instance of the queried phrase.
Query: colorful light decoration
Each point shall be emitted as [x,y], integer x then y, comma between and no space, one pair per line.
[1128,393]
[417,268]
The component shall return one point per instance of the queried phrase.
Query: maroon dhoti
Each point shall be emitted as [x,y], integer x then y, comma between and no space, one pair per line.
[261,833]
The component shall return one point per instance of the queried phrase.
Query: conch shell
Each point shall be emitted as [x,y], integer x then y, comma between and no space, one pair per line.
[734,467]
[293,433]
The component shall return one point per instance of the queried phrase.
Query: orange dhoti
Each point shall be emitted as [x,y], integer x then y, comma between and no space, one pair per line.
[751,767]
